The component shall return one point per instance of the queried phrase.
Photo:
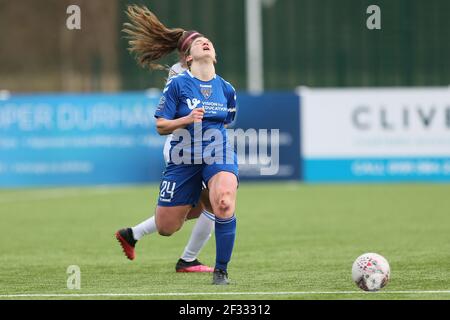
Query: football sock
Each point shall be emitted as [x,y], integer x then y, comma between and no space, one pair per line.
[200,235]
[146,227]
[225,235]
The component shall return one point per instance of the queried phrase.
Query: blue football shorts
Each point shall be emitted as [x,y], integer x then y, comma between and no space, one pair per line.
[182,184]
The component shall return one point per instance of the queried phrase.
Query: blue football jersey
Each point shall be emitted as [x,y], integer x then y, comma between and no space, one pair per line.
[183,93]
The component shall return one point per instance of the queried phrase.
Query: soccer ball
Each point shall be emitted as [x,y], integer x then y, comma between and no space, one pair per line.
[371,272]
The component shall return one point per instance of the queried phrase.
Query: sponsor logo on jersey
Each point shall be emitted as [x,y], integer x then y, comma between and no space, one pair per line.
[192,104]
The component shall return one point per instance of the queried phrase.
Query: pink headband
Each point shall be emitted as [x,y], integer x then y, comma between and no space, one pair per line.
[185,42]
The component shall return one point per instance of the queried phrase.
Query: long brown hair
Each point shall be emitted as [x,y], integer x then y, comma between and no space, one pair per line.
[150,39]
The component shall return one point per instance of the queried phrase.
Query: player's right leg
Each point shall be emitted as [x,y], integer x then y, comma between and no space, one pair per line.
[170,219]
[128,237]
[167,221]
[180,187]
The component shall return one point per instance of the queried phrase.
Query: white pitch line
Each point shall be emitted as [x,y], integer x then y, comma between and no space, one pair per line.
[171,294]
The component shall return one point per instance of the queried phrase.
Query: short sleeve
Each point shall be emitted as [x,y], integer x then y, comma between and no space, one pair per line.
[167,107]
[231,103]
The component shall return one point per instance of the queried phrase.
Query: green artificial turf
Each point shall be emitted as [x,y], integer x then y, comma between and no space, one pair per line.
[290,238]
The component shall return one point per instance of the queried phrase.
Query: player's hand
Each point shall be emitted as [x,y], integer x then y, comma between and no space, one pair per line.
[197,115]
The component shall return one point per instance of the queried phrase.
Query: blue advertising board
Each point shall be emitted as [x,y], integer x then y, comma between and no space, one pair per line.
[271,111]
[48,140]
[92,139]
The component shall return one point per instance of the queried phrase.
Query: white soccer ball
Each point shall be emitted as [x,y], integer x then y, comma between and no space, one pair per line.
[371,272]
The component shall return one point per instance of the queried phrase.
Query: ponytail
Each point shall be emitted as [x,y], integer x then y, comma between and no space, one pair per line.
[149,39]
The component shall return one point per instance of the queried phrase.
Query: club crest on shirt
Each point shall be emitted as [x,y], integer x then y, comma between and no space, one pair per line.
[206,91]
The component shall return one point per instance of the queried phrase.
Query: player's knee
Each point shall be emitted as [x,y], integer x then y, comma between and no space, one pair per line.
[225,205]
[167,231]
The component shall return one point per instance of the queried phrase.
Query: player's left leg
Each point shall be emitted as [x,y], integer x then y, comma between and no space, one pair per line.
[223,189]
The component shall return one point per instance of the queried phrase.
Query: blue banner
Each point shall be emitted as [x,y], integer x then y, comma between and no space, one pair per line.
[377,170]
[48,140]
[271,111]
[91,139]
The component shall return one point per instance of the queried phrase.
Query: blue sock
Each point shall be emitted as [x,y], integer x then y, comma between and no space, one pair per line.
[225,235]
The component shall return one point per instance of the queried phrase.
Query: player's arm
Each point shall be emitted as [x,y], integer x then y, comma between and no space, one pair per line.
[165,123]
[166,126]
[231,104]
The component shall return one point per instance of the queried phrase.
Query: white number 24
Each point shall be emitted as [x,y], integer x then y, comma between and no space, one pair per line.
[167,190]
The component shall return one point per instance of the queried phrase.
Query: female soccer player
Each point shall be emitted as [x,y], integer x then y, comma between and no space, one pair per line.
[204,226]
[200,102]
